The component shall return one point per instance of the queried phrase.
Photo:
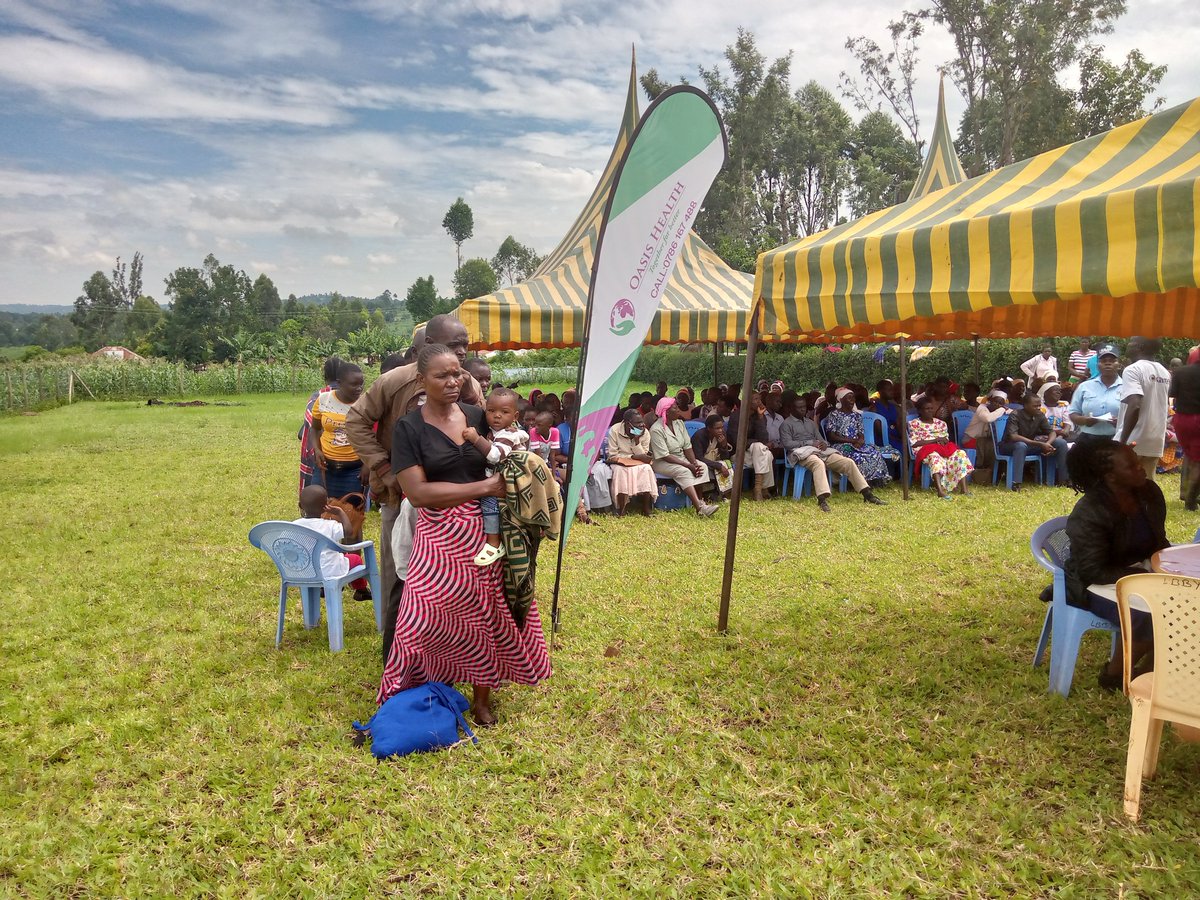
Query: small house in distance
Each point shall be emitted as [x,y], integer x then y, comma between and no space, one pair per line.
[121,353]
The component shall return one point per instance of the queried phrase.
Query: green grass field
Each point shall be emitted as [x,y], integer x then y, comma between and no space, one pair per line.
[871,726]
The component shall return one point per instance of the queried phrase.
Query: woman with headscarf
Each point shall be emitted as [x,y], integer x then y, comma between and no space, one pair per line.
[661,407]
[630,460]
[931,444]
[844,430]
[671,448]
[1057,413]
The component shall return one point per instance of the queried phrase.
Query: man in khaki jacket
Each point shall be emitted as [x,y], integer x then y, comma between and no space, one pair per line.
[394,395]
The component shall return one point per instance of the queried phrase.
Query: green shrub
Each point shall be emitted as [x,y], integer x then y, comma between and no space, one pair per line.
[806,368]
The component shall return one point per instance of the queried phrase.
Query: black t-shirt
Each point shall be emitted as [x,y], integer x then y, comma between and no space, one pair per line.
[1185,388]
[417,443]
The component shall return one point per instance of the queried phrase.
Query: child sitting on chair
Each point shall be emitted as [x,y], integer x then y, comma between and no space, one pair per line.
[505,438]
[314,502]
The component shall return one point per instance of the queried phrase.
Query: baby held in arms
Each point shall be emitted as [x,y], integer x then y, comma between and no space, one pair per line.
[505,437]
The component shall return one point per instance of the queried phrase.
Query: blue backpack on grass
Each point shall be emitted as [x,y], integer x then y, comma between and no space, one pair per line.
[422,718]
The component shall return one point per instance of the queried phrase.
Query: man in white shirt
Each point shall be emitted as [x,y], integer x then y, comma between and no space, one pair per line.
[1041,365]
[1142,422]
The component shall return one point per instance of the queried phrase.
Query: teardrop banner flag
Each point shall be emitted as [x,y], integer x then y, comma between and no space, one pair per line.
[675,153]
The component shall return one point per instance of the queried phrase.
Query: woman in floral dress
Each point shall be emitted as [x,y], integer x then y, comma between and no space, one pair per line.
[844,430]
[931,445]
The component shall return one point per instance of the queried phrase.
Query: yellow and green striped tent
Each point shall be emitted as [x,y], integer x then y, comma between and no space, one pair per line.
[1107,226]
[942,167]
[705,301]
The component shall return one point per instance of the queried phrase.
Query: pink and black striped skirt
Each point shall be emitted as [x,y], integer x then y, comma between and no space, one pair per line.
[453,624]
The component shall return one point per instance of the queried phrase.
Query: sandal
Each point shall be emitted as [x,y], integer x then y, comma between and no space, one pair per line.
[488,555]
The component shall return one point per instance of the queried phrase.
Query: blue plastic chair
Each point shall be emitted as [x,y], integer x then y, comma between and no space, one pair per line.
[875,432]
[296,552]
[998,429]
[1065,625]
[693,426]
[961,419]
[796,482]
[564,439]
[875,429]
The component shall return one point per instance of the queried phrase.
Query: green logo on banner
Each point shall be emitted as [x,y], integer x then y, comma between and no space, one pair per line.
[621,319]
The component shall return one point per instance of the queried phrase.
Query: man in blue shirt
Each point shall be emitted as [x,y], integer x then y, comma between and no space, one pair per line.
[1096,402]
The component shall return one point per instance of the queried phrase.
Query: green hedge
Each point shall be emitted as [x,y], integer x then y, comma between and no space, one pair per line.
[811,368]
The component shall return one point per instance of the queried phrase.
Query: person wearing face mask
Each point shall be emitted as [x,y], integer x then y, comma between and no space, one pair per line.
[630,460]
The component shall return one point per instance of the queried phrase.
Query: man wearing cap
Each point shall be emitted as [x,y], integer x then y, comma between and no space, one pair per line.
[1096,403]
[1144,403]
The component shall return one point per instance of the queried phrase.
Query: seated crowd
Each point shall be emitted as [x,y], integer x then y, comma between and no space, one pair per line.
[846,432]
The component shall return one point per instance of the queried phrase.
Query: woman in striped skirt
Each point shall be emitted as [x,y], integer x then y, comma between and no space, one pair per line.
[453,624]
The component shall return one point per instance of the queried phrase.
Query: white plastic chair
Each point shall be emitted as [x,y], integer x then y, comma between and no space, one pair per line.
[1171,693]
[296,552]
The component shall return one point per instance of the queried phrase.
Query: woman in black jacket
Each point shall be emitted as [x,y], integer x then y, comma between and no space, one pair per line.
[1115,527]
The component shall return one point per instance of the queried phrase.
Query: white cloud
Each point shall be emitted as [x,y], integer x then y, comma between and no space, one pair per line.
[513,109]
[259,29]
[112,84]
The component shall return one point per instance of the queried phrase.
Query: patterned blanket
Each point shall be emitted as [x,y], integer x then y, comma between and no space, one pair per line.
[531,510]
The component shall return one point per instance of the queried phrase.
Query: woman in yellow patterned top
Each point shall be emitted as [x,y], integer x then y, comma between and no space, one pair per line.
[338,468]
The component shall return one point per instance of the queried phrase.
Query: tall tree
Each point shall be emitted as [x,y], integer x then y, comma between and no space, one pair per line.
[817,171]
[1011,56]
[421,301]
[96,311]
[127,280]
[889,76]
[143,318]
[474,278]
[189,332]
[206,304]
[514,261]
[1008,53]
[1111,95]
[885,164]
[459,223]
[265,309]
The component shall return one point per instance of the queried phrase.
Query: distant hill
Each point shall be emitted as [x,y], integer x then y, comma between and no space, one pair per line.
[323,299]
[49,309]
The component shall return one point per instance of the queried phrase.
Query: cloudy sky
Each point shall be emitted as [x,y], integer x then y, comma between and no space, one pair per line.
[321,143]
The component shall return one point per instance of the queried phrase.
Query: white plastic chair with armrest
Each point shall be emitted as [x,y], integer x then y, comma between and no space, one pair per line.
[1171,693]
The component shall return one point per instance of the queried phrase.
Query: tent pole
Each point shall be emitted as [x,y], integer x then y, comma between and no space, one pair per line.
[739,458]
[977,360]
[904,464]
